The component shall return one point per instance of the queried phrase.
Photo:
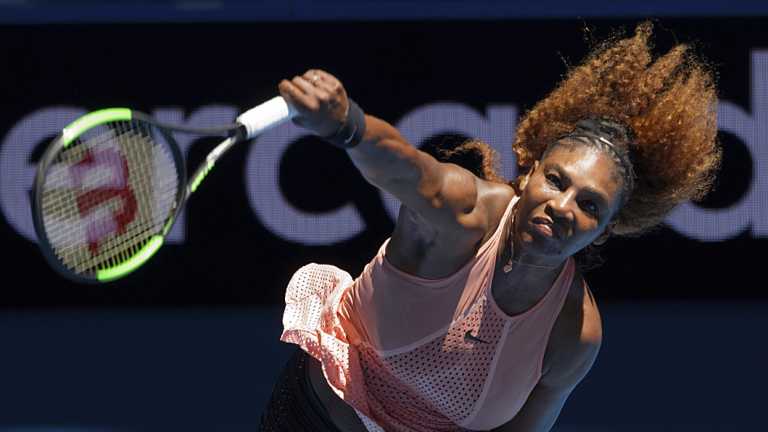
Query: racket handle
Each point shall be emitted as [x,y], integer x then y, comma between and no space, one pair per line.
[266,116]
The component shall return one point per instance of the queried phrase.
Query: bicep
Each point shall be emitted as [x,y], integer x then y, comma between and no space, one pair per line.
[444,195]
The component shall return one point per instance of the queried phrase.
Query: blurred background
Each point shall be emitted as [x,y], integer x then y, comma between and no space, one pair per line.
[190,342]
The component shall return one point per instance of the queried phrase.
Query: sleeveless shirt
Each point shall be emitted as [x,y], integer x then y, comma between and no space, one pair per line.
[416,354]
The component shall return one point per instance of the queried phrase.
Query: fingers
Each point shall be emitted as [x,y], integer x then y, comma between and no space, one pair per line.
[319,98]
[326,87]
[324,80]
[294,94]
[312,76]
[313,84]
[314,79]
[307,87]
[325,76]
[304,94]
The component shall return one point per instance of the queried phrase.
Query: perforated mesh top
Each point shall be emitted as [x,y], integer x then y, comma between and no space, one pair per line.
[415,354]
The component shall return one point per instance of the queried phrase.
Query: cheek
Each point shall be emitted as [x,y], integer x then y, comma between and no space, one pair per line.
[588,224]
[535,195]
[588,229]
[527,202]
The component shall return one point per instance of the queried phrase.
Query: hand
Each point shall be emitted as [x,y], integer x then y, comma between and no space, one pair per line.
[320,100]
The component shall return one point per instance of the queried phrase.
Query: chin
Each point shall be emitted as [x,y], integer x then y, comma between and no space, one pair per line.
[533,244]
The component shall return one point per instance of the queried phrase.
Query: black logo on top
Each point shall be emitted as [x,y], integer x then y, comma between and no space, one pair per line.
[468,336]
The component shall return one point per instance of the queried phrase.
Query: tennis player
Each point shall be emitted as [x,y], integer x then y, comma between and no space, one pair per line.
[474,314]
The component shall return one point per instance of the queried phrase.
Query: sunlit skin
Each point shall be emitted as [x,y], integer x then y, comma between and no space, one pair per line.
[568,202]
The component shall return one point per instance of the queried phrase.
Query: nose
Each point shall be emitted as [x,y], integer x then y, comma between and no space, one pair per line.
[561,206]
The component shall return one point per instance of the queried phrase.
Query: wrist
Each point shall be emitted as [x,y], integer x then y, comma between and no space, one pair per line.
[352,130]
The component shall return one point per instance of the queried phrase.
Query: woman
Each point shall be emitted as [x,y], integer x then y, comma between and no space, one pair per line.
[473,315]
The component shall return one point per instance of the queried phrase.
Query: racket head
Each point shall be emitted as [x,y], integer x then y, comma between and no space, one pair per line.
[107,190]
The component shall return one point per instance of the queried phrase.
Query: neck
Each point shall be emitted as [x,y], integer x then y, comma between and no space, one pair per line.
[524,279]
[523,285]
[523,269]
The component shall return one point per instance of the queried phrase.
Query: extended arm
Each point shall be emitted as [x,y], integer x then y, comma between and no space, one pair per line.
[444,194]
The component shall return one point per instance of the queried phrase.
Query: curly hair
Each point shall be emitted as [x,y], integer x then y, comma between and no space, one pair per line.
[669,105]
[474,155]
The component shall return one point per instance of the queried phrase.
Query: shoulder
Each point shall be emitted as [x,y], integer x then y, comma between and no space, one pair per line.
[494,198]
[477,222]
[473,198]
[576,338]
[433,247]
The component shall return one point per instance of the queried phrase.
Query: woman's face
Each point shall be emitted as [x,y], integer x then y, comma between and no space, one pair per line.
[568,202]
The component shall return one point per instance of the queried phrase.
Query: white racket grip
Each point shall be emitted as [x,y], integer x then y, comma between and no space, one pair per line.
[266,116]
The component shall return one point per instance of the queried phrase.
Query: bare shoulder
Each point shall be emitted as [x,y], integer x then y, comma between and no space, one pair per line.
[422,247]
[575,339]
[484,206]
[494,199]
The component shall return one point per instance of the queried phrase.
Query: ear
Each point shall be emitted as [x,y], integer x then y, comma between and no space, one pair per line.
[605,235]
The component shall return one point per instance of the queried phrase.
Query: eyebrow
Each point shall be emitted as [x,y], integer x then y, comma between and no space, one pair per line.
[600,196]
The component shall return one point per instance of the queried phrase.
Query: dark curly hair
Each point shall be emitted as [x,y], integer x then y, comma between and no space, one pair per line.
[668,104]
[663,113]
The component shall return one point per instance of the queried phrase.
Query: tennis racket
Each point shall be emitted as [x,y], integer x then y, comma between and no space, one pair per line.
[110,186]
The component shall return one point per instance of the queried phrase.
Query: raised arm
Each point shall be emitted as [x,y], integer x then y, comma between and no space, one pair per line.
[443,194]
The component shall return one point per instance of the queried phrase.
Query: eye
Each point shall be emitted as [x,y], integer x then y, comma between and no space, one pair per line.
[590,207]
[554,181]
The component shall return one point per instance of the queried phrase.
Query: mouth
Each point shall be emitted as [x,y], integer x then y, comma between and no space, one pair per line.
[546,227]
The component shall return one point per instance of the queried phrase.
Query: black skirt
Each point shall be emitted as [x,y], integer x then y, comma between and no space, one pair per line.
[294,405]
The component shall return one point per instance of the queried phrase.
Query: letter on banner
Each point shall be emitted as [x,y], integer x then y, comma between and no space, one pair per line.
[211,115]
[262,174]
[720,224]
[17,171]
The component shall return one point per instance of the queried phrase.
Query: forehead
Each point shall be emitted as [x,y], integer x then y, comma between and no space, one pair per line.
[586,167]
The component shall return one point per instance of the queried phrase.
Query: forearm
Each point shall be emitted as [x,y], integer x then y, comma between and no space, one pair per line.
[384,154]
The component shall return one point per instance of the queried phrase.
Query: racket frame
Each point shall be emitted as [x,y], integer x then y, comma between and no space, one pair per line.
[93,119]
[248,125]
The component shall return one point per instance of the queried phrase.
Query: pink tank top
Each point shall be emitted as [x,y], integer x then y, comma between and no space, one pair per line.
[415,354]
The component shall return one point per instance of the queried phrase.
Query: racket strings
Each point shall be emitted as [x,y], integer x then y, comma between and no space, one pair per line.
[59,202]
[157,198]
[150,218]
[107,195]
